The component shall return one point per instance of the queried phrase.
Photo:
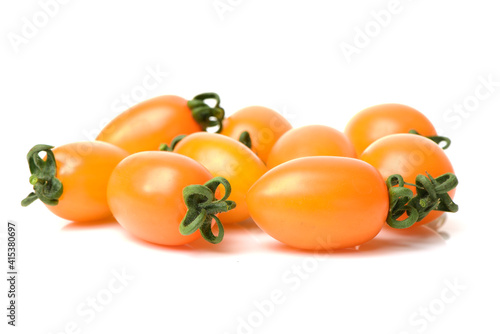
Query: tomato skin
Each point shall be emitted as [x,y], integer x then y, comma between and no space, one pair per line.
[310,140]
[382,120]
[145,195]
[320,202]
[264,125]
[146,125]
[409,155]
[84,169]
[228,158]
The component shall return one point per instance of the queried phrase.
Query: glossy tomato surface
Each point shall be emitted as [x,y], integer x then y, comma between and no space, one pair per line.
[382,120]
[145,195]
[310,140]
[409,156]
[226,157]
[84,169]
[145,126]
[264,125]
[320,203]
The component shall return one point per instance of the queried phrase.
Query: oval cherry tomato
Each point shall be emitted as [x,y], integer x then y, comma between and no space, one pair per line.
[409,155]
[145,195]
[320,202]
[264,125]
[310,140]
[158,120]
[83,169]
[382,120]
[228,158]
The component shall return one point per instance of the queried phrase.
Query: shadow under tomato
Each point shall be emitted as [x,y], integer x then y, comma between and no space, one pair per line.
[111,223]
[247,237]
[388,242]
[143,243]
[94,224]
[437,223]
[237,239]
[242,237]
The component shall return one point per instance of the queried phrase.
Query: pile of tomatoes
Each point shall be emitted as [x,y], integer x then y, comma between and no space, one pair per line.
[157,170]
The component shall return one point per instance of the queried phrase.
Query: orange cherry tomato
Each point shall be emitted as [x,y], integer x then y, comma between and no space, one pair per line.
[83,169]
[148,124]
[409,155]
[382,120]
[320,202]
[228,158]
[310,140]
[264,125]
[158,120]
[145,194]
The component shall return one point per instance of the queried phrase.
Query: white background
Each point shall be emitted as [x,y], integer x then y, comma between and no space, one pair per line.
[74,72]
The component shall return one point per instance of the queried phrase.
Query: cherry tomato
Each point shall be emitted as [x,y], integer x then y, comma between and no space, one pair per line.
[264,125]
[145,195]
[409,155]
[382,120]
[320,202]
[310,140]
[158,120]
[228,158]
[74,188]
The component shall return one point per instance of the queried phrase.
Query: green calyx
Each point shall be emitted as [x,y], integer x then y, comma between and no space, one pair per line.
[46,186]
[203,207]
[205,115]
[437,139]
[432,194]
[175,141]
[245,139]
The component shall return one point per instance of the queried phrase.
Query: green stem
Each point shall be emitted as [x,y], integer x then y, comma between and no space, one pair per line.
[203,208]
[437,139]
[245,139]
[205,115]
[46,186]
[175,141]
[431,194]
